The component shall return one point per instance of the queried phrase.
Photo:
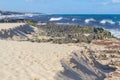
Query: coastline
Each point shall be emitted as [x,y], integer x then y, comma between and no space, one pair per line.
[35,60]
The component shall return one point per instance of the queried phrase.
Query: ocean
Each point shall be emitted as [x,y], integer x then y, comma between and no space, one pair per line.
[109,22]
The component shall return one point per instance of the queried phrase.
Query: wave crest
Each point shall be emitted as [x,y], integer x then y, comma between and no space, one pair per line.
[55,19]
[115,32]
[107,21]
[90,20]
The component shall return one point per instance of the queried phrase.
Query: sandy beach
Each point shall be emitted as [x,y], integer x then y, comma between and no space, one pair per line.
[31,61]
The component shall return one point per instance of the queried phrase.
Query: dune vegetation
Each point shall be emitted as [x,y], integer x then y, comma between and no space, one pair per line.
[70,33]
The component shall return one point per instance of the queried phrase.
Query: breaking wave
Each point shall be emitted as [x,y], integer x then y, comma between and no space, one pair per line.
[107,21]
[18,16]
[56,19]
[115,32]
[74,19]
[90,20]
[118,22]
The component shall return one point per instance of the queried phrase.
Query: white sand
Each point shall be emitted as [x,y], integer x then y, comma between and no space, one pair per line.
[31,61]
[10,25]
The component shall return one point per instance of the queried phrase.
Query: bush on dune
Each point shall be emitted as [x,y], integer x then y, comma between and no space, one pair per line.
[73,33]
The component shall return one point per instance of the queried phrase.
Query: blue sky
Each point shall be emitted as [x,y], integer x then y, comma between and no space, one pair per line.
[63,6]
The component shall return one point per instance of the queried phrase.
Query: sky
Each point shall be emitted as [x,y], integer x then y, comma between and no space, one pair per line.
[62,6]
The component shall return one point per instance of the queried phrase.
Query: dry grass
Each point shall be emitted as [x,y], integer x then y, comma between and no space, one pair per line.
[110,44]
[113,47]
[103,42]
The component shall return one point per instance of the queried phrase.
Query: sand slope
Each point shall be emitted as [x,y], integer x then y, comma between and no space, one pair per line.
[31,61]
[24,60]
[15,31]
[10,25]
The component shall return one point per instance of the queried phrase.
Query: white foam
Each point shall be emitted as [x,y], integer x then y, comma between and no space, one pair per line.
[55,19]
[90,20]
[74,19]
[118,22]
[30,14]
[63,23]
[10,16]
[107,21]
[18,15]
[115,32]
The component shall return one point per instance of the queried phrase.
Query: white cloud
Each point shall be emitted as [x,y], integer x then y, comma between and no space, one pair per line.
[110,2]
[115,1]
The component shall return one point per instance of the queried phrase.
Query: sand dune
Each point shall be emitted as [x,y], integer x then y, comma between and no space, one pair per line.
[15,31]
[10,25]
[45,61]
[31,61]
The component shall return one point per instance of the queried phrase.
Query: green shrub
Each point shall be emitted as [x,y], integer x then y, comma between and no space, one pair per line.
[67,33]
